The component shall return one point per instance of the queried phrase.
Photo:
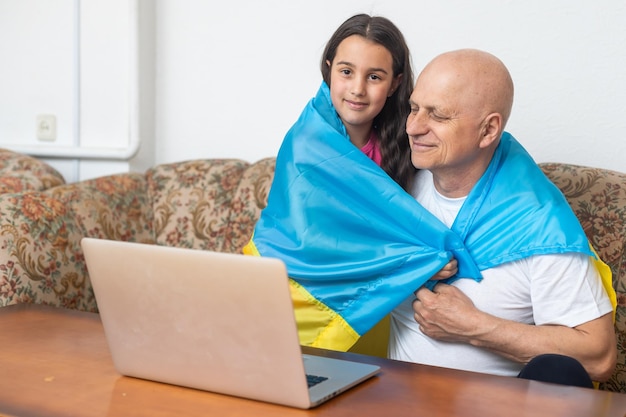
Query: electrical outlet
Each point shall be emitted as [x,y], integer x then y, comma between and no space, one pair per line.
[46,127]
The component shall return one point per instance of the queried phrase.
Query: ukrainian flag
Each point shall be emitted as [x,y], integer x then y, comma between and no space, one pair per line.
[356,244]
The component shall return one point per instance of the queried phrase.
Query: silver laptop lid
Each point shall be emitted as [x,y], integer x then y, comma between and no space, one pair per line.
[212,321]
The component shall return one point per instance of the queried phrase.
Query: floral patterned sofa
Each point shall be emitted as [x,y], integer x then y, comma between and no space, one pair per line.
[210,204]
[213,204]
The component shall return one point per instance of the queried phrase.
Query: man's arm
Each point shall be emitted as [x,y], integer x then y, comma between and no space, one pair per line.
[448,314]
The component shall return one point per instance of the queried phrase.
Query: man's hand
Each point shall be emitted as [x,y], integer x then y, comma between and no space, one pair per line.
[446,313]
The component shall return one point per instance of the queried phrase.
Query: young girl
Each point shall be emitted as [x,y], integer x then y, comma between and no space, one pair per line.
[367,65]
[354,242]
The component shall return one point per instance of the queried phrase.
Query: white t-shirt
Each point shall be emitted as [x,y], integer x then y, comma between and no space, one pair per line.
[562,289]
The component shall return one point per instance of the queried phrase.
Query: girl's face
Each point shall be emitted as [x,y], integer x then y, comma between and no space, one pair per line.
[361,79]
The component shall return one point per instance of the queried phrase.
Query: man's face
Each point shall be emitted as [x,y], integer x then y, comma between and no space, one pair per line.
[444,125]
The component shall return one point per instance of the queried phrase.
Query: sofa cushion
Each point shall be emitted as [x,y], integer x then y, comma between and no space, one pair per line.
[208,204]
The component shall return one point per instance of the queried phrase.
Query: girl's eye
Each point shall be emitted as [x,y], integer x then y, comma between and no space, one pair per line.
[345,71]
[374,77]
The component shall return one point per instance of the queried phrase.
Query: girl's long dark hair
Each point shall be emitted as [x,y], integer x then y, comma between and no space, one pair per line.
[391,121]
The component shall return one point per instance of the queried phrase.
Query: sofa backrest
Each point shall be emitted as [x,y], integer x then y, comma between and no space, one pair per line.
[208,204]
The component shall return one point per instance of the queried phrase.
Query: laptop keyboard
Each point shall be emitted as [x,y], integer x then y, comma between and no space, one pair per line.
[313,380]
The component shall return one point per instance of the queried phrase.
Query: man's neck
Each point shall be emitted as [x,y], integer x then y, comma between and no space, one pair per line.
[453,188]
[457,182]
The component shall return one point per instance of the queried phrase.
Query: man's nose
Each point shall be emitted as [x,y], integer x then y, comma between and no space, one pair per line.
[415,124]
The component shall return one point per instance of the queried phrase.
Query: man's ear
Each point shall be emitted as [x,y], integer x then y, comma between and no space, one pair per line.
[491,129]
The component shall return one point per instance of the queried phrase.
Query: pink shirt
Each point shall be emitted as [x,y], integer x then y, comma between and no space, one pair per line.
[372,148]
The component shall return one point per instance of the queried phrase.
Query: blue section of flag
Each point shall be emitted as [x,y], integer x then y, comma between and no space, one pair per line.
[360,244]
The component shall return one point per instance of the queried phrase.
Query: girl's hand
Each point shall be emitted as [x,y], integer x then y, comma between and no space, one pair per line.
[447,271]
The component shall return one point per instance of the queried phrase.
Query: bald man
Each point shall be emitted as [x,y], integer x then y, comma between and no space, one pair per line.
[533,309]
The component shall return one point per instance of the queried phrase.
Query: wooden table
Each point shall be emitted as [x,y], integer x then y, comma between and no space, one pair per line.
[55,362]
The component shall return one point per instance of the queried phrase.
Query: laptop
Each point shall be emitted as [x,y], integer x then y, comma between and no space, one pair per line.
[212,321]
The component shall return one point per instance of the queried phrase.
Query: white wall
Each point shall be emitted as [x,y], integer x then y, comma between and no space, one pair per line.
[222,80]
[232,78]
[74,62]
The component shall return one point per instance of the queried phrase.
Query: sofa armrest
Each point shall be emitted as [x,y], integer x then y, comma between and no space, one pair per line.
[598,197]
[41,260]
[20,172]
